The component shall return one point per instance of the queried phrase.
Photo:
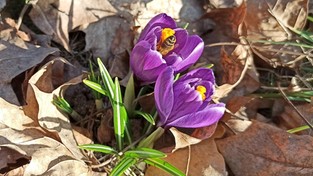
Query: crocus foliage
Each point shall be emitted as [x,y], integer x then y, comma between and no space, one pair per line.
[162,44]
[186,102]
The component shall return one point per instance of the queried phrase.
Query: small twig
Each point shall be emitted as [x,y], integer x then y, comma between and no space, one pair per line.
[260,48]
[234,115]
[20,18]
[280,51]
[294,107]
[188,159]
[284,88]
[103,164]
[225,43]
[228,127]
[279,22]
[303,81]
[134,143]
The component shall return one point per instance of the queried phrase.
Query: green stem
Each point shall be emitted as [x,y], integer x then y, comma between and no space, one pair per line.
[76,116]
[150,140]
[128,135]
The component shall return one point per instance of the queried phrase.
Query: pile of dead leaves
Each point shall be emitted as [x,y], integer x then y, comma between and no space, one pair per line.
[40,60]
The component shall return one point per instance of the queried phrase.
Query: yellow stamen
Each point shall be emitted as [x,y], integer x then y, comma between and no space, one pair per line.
[166,32]
[202,91]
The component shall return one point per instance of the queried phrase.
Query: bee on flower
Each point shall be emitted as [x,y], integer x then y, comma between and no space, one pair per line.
[162,44]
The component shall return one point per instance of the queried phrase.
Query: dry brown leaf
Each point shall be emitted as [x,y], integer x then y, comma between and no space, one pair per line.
[59,18]
[225,3]
[235,104]
[105,131]
[146,102]
[291,119]
[17,171]
[204,160]
[266,150]
[9,33]
[183,140]
[49,117]
[225,27]
[238,125]
[204,132]
[15,60]
[19,133]
[11,159]
[82,135]
[108,37]
[272,20]
[269,19]
[240,76]
[120,67]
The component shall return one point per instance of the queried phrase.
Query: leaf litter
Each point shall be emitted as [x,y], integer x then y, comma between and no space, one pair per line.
[37,139]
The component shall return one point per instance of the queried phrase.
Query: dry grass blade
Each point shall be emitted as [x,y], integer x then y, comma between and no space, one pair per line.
[294,107]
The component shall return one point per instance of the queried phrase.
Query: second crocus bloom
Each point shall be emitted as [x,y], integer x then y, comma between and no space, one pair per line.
[160,45]
[186,102]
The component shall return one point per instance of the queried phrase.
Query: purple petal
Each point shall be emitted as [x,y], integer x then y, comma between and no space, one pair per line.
[153,36]
[204,73]
[146,63]
[190,53]
[181,39]
[211,114]
[164,95]
[185,103]
[161,20]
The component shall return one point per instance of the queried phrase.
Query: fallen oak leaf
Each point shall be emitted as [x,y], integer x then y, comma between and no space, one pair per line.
[271,149]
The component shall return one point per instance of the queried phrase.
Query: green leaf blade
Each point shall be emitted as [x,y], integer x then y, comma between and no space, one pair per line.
[95,86]
[119,115]
[130,95]
[159,163]
[298,129]
[62,104]
[122,166]
[147,116]
[98,148]
[144,153]
[106,78]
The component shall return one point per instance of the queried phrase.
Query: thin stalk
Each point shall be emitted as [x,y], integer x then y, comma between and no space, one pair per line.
[149,141]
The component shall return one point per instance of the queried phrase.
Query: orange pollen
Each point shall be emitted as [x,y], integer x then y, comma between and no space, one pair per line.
[166,32]
[167,41]
[202,91]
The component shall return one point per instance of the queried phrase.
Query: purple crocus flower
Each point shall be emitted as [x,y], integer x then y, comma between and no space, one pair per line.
[162,44]
[186,102]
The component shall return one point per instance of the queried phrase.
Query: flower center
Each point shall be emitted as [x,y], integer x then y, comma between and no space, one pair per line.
[167,41]
[201,90]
